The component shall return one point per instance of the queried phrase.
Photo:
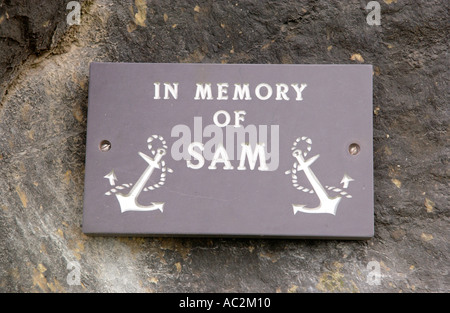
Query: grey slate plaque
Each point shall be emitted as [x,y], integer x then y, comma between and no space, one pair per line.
[229,150]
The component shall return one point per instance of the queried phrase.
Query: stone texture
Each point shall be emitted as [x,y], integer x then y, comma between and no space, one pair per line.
[27,28]
[44,88]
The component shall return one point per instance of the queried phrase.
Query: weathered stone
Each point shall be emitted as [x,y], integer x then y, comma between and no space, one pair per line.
[28,29]
[44,83]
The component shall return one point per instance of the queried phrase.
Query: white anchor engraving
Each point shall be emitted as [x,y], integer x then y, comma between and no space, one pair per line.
[129,201]
[327,204]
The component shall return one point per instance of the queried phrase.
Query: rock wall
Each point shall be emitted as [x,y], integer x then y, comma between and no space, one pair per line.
[43,104]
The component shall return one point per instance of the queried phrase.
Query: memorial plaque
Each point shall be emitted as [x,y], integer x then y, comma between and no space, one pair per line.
[229,150]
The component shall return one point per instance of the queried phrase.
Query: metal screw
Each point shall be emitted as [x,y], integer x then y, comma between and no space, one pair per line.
[105,146]
[354,149]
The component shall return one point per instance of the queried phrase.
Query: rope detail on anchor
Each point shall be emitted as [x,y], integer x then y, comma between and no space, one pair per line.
[306,142]
[164,169]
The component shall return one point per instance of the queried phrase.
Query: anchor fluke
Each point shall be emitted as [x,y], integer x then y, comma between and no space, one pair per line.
[158,206]
[129,203]
[297,208]
[328,206]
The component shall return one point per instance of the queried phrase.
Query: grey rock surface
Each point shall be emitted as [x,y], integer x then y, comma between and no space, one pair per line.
[43,105]
[27,28]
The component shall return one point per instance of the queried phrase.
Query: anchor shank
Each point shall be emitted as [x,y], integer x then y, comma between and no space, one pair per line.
[317,186]
[137,188]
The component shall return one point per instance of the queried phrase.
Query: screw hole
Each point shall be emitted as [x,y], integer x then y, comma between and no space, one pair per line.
[105,145]
[354,149]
